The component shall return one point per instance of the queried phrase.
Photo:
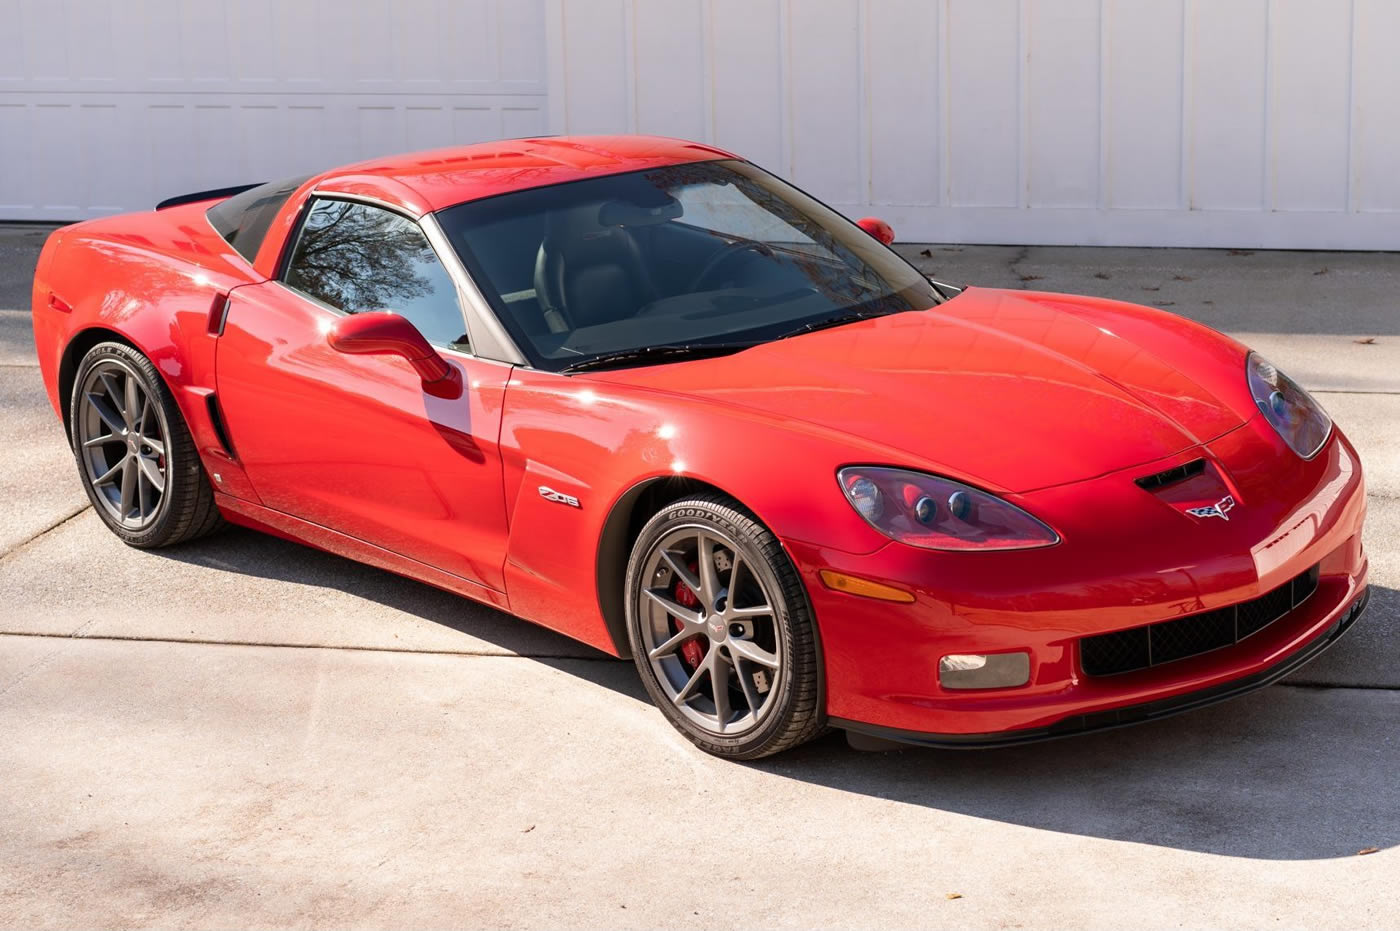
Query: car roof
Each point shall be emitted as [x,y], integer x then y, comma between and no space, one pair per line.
[421,182]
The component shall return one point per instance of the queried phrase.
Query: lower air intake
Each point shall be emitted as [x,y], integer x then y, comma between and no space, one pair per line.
[1167,641]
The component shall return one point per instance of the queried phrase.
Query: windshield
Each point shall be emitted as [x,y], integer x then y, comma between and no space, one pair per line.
[694,254]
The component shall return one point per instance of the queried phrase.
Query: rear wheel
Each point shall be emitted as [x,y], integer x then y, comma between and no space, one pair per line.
[135,456]
[721,631]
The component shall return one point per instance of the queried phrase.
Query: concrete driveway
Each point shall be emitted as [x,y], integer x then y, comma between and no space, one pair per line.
[245,732]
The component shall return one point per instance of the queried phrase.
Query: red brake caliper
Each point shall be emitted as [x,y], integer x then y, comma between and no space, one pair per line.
[692,650]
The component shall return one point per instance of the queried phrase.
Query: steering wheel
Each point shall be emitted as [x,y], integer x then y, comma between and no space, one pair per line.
[726,252]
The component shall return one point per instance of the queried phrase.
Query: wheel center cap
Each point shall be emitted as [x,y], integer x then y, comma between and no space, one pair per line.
[717,628]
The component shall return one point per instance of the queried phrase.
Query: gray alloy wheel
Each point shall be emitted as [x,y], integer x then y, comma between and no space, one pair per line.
[721,631]
[121,434]
[135,455]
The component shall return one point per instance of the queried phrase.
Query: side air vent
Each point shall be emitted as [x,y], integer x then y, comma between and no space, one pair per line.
[216,417]
[1171,476]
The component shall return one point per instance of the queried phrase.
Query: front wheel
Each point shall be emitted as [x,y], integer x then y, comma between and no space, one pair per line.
[721,630]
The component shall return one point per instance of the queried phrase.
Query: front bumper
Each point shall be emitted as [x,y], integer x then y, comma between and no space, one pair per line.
[1126,560]
[1131,714]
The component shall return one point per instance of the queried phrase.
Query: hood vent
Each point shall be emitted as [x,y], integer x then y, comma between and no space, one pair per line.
[1180,473]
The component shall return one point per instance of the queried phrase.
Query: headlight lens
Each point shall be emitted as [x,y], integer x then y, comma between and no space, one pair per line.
[938,513]
[1300,420]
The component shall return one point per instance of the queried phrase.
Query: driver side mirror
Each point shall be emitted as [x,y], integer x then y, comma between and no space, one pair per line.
[382,332]
[877,228]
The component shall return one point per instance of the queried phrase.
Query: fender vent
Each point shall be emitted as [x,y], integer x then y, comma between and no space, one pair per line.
[1180,473]
[216,418]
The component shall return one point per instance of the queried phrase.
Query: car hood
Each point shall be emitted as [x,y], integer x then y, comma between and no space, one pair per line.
[1012,392]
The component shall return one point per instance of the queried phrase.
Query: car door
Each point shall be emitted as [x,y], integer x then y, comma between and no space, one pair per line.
[354,442]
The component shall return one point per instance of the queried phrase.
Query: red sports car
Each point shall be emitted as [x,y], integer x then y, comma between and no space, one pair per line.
[644,393]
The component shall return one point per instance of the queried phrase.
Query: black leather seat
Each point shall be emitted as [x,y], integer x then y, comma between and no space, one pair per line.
[587,273]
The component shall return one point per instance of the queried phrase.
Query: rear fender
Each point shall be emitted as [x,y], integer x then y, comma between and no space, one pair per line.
[95,285]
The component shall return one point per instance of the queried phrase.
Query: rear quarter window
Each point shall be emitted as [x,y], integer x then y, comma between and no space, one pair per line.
[244,219]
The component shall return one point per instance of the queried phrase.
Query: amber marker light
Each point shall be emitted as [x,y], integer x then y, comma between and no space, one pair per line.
[851,585]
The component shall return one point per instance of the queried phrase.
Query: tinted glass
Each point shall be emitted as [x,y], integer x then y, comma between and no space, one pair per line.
[356,257]
[709,252]
[243,220]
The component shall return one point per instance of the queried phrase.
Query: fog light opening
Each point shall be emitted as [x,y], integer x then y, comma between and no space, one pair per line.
[984,670]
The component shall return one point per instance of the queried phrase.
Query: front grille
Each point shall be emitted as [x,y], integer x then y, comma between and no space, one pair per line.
[1155,644]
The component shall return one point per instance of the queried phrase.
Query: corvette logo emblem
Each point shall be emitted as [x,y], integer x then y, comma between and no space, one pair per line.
[1220,509]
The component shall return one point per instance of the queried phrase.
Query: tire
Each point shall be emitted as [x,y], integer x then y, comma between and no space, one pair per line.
[123,421]
[770,660]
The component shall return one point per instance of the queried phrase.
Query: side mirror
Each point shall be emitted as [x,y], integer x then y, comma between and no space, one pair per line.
[877,228]
[381,332]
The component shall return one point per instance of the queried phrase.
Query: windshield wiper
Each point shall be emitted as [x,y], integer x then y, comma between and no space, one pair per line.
[665,353]
[838,320]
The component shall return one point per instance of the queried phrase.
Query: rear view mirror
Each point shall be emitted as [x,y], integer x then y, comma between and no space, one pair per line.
[621,213]
[382,332]
[877,228]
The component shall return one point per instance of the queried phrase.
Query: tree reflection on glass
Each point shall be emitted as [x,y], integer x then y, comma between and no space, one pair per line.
[356,258]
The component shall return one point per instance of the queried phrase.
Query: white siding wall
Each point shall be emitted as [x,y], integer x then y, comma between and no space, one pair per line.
[1149,122]
[1160,122]
[110,105]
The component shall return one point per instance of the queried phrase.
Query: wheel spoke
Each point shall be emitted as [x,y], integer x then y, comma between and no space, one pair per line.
[109,388]
[747,687]
[110,417]
[140,493]
[100,440]
[157,446]
[688,689]
[754,653]
[132,404]
[719,683]
[709,579]
[129,478]
[672,643]
[152,473]
[682,572]
[110,473]
[141,421]
[687,616]
[734,568]
[753,611]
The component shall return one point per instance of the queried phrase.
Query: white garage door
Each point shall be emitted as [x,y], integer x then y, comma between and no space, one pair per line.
[1153,122]
[112,105]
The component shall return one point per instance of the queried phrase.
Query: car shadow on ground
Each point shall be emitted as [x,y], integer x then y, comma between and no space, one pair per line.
[1286,773]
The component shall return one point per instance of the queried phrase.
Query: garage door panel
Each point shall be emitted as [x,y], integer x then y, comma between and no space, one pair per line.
[1229,105]
[16,181]
[1310,114]
[147,99]
[1377,113]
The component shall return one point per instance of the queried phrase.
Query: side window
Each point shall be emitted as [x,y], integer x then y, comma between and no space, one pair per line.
[356,258]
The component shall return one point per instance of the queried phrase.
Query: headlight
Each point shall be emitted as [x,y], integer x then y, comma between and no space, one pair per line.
[938,513]
[1300,420]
